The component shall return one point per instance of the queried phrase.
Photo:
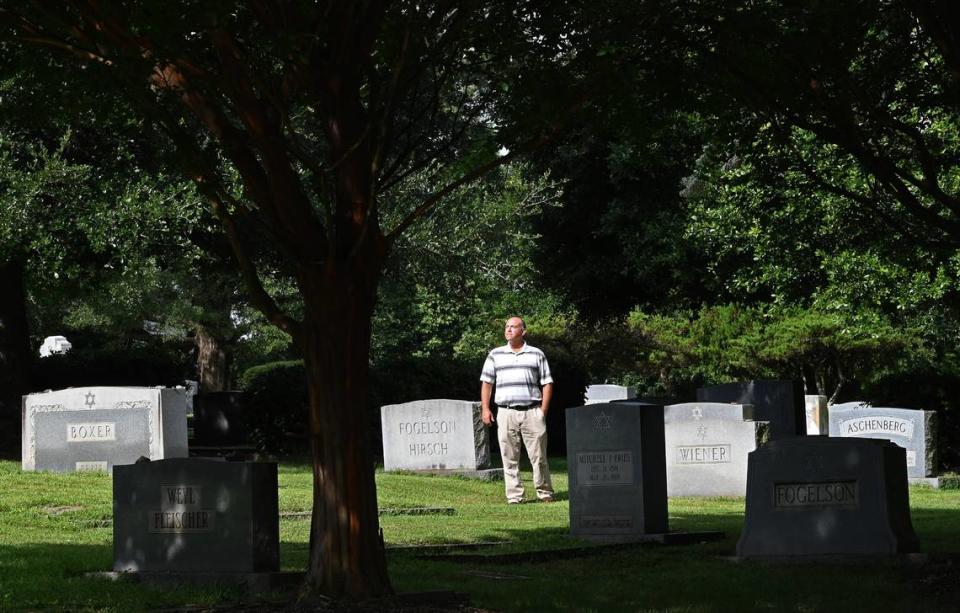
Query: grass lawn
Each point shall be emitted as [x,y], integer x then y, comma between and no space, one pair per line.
[54,527]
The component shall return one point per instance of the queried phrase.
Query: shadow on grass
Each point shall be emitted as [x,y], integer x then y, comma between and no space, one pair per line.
[51,577]
[698,577]
[575,575]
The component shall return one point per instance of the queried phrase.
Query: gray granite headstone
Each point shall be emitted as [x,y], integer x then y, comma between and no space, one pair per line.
[97,428]
[817,413]
[616,471]
[196,515]
[821,496]
[434,434]
[706,447]
[913,429]
[779,402]
[608,393]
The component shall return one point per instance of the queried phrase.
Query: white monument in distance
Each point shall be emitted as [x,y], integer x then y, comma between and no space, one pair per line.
[54,345]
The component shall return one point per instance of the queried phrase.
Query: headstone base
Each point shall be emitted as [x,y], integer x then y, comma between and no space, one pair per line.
[667,538]
[949,483]
[899,559]
[482,474]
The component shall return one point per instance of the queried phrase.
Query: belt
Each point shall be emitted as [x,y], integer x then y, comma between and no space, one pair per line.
[519,407]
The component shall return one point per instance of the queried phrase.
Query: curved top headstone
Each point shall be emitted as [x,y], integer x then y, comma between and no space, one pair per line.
[913,429]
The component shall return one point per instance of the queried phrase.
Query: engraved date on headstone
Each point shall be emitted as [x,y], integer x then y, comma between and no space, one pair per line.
[593,522]
[605,468]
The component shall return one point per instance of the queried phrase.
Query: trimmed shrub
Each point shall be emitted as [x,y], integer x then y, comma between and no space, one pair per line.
[275,404]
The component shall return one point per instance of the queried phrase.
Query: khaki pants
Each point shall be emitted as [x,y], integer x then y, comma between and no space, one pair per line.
[530,427]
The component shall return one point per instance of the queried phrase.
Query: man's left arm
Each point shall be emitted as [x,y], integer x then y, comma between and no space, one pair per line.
[546,394]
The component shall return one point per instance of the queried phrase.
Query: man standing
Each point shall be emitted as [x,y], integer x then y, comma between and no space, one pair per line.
[524,388]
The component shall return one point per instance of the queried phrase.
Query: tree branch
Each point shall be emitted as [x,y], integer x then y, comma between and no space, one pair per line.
[259,296]
[427,205]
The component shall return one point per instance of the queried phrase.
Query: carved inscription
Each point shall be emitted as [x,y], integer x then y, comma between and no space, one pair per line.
[888,426]
[91,466]
[91,432]
[703,454]
[606,522]
[181,511]
[431,429]
[796,495]
[605,468]
[427,449]
[437,426]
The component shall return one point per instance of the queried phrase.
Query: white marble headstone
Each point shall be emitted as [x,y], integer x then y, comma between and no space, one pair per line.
[606,393]
[707,445]
[913,429]
[816,409]
[434,434]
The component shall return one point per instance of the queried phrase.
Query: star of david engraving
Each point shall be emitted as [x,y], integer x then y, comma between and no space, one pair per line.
[602,422]
[91,400]
[697,413]
[425,411]
[701,432]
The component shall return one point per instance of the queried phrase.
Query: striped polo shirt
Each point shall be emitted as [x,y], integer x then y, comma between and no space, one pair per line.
[517,376]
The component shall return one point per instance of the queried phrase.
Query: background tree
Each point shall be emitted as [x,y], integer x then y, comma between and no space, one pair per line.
[867,81]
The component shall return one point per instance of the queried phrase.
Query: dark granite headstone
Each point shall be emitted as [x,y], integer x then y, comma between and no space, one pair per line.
[218,419]
[617,471]
[778,402]
[820,496]
[97,428]
[912,429]
[196,515]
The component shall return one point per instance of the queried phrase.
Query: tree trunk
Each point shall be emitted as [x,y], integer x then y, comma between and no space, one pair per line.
[213,360]
[15,355]
[347,557]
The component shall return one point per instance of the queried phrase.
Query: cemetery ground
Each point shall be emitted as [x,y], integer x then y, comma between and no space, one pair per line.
[56,527]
